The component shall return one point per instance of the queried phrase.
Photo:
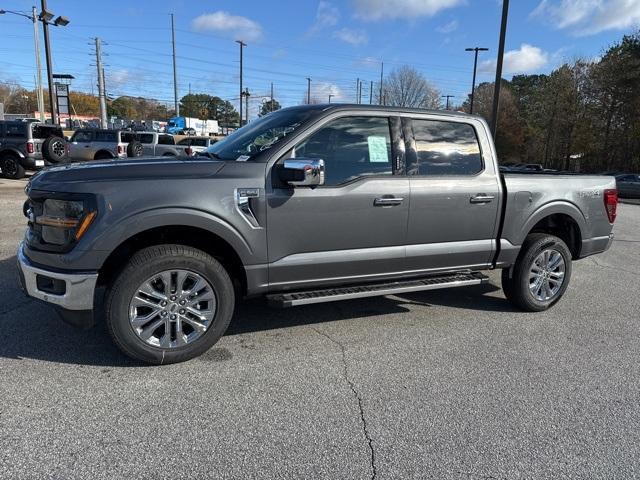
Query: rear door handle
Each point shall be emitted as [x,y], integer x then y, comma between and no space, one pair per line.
[481,198]
[387,201]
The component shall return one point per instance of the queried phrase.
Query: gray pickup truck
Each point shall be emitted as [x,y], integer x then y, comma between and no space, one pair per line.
[307,204]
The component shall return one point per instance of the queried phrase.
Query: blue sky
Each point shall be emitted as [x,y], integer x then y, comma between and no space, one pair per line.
[332,42]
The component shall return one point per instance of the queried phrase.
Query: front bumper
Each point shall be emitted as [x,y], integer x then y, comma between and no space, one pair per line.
[78,290]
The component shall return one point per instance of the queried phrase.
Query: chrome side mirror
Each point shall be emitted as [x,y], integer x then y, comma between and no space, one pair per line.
[303,172]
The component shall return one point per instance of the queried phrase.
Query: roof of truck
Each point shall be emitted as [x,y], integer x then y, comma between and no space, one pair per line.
[324,107]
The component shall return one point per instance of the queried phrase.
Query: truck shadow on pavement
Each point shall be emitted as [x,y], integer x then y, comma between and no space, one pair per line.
[33,330]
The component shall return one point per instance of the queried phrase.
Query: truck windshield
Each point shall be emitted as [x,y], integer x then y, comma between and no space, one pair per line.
[259,135]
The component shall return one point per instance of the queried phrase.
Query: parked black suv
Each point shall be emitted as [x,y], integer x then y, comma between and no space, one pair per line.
[29,146]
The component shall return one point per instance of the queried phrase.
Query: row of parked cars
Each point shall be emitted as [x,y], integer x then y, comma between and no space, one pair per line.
[28,145]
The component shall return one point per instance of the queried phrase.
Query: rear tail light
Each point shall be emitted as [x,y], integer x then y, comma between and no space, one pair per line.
[611,203]
[120,149]
[30,147]
[188,151]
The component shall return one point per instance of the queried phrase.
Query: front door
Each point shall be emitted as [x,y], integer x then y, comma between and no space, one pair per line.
[455,195]
[353,228]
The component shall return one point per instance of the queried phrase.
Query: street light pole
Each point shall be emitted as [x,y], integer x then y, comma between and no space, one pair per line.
[176,105]
[308,91]
[475,66]
[496,87]
[330,95]
[242,45]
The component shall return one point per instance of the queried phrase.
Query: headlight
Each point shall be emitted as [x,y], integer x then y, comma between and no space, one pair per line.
[64,221]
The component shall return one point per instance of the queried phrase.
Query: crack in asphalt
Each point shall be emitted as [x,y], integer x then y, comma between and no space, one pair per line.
[352,386]
[625,240]
[613,268]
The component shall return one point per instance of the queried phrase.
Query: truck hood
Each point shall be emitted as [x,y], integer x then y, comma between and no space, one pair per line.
[122,170]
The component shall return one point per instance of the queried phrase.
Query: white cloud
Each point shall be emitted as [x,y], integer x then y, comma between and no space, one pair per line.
[448,27]
[354,37]
[320,91]
[588,17]
[327,15]
[526,59]
[368,62]
[236,27]
[120,77]
[408,9]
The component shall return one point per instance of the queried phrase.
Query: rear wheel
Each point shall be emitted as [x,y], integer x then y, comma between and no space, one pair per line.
[11,167]
[169,304]
[541,274]
[103,156]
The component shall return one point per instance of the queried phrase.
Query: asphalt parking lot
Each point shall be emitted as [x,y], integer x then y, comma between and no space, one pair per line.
[442,384]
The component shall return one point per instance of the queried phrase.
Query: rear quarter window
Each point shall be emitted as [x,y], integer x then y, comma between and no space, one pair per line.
[110,137]
[44,132]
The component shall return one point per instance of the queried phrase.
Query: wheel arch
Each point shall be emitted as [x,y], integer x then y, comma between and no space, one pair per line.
[106,153]
[189,235]
[562,219]
[12,151]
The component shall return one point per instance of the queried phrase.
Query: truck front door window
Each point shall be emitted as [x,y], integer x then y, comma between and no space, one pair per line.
[351,147]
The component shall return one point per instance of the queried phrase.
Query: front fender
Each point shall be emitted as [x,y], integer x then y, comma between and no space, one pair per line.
[125,228]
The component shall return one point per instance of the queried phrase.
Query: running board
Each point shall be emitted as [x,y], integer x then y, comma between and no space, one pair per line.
[292,299]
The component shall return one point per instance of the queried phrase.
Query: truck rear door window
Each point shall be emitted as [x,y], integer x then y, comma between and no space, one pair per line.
[445,148]
[166,140]
[146,138]
[103,136]
[351,147]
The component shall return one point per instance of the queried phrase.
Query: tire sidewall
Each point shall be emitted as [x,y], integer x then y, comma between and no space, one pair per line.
[17,170]
[131,278]
[134,149]
[48,152]
[522,271]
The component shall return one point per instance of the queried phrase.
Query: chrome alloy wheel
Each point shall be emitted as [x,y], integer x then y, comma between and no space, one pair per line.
[546,275]
[172,308]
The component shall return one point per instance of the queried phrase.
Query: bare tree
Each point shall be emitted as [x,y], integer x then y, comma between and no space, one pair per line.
[406,87]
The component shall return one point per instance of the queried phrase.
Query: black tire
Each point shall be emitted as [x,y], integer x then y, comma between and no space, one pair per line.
[134,149]
[516,286]
[11,167]
[149,262]
[103,155]
[54,149]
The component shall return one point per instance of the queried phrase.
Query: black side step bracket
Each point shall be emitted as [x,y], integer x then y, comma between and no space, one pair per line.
[291,299]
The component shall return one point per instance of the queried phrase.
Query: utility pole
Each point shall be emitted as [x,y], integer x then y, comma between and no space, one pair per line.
[330,95]
[246,100]
[357,90]
[308,91]
[101,96]
[176,105]
[475,66]
[34,16]
[381,76]
[271,106]
[47,49]
[242,45]
[371,92]
[496,87]
[447,97]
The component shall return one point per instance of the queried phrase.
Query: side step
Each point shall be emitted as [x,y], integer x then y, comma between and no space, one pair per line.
[291,299]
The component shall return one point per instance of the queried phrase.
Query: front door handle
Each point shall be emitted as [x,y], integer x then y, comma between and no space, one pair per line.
[387,201]
[481,198]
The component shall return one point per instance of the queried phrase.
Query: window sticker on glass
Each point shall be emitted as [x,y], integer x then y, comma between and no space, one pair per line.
[378,149]
[243,158]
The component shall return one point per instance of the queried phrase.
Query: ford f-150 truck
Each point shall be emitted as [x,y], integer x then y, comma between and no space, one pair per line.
[308,204]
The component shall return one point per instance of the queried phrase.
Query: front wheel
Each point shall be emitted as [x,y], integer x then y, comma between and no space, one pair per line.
[169,304]
[540,275]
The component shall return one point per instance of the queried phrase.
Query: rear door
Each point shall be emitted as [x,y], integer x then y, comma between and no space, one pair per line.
[353,228]
[453,217]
